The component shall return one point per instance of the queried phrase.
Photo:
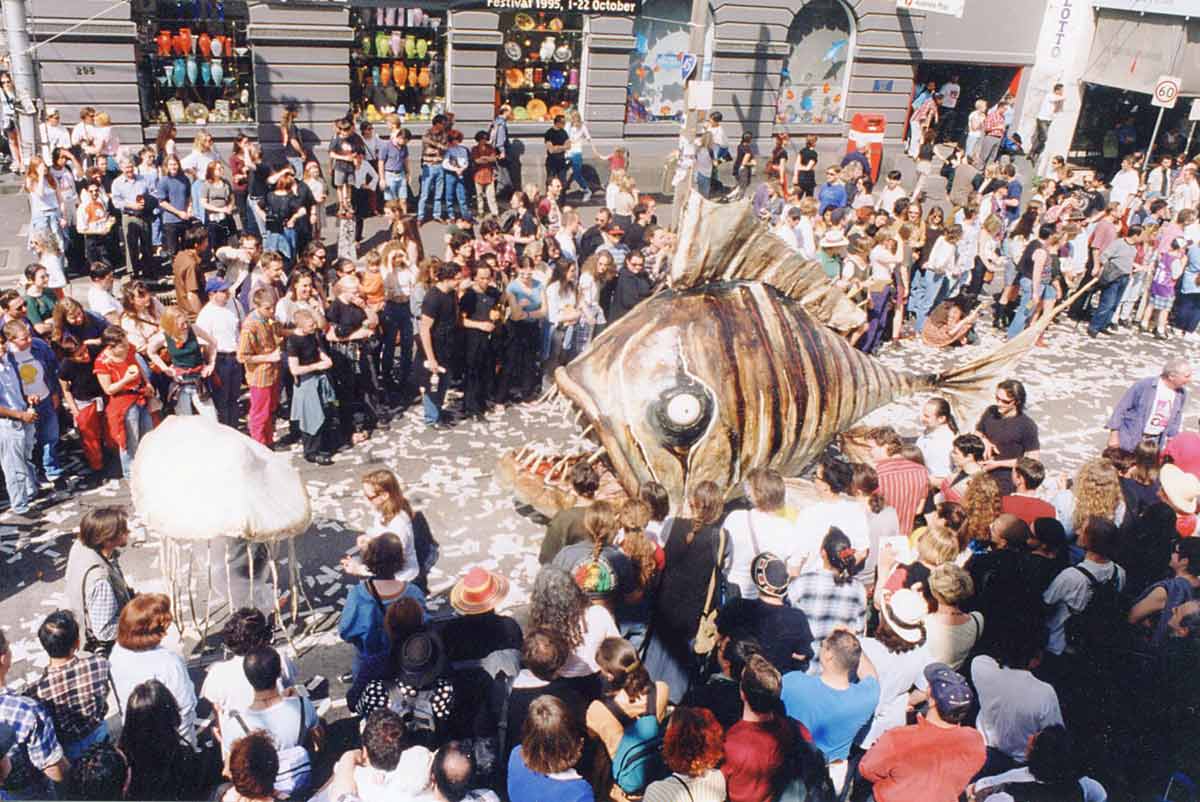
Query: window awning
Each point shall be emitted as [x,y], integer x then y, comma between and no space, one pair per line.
[1130,51]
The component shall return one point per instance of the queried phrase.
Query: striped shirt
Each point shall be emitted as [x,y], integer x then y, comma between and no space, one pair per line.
[904,485]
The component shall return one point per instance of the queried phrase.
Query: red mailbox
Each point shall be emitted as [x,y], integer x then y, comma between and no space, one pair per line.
[866,135]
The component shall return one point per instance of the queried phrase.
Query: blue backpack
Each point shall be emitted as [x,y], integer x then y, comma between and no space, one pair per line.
[638,760]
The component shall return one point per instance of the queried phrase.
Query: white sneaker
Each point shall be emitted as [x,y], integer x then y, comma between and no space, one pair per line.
[587,196]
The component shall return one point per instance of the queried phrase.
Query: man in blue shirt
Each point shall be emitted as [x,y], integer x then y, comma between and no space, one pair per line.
[835,705]
[131,194]
[174,195]
[393,161]
[17,436]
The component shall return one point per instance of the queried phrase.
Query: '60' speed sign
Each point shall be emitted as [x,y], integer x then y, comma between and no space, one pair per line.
[1166,91]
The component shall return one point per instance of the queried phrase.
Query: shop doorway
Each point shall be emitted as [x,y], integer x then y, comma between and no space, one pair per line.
[1115,122]
[975,83]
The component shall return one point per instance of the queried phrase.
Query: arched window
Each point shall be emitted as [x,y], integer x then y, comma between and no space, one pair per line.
[812,83]
[661,34]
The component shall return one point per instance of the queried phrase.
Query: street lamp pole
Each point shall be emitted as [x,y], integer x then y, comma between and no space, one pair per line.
[695,117]
[23,75]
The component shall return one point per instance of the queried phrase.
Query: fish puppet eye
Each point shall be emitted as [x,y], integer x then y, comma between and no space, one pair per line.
[681,414]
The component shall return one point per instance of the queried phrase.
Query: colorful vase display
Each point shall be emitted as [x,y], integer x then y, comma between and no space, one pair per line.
[410,46]
[423,78]
[382,43]
[422,48]
[179,73]
[573,78]
[399,72]
[218,72]
[380,17]
[366,45]
[168,71]
[205,45]
[413,75]
[218,47]
[193,70]
[164,42]
[375,76]
[546,51]
[205,73]
[385,74]
[226,47]
[397,43]
[185,41]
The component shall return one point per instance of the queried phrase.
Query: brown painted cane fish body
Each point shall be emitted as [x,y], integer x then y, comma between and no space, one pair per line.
[708,383]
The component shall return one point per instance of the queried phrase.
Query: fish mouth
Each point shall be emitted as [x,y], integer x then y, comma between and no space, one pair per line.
[539,474]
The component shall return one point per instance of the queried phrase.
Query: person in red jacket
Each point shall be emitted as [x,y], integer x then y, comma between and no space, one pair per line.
[934,759]
[757,747]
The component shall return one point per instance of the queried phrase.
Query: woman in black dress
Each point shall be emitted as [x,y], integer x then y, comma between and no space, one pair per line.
[806,168]
[691,558]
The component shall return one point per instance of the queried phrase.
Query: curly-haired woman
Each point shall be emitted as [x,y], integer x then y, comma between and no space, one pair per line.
[1095,491]
[558,604]
[981,500]
[692,747]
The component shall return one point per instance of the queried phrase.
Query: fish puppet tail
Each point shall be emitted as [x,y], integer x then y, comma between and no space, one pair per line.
[968,387]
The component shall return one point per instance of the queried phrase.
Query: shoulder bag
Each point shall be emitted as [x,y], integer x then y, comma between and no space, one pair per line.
[706,631]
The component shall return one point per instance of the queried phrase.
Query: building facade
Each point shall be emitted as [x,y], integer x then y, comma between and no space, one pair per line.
[796,66]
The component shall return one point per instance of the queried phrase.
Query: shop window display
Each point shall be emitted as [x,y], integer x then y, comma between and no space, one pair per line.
[812,83]
[194,62]
[656,87]
[399,63]
[540,64]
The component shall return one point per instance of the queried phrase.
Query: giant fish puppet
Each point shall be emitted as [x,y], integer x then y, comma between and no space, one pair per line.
[737,364]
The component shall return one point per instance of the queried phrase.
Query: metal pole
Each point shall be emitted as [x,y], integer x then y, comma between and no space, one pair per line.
[1188,147]
[24,77]
[1153,139]
[695,117]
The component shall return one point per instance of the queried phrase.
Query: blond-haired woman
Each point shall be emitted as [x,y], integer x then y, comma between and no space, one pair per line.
[390,512]
[1095,491]
[950,632]
[193,353]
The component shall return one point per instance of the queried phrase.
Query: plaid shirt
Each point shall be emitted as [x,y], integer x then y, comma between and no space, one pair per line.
[828,604]
[103,609]
[259,337]
[36,744]
[76,694]
[993,124]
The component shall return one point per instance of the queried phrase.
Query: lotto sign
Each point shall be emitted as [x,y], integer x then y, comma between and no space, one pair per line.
[1166,91]
[952,7]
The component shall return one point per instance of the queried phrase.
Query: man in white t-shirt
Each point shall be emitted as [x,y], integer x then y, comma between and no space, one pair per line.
[1124,184]
[948,124]
[384,769]
[220,319]
[937,439]
[100,299]
[834,481]
[291,720]
[1052,106]
[764,528]
[1014,705]
[891,192]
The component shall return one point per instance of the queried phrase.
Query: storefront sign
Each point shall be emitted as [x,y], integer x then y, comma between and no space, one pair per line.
[605,8]
[1178,8]
[952,7]
[1166,91]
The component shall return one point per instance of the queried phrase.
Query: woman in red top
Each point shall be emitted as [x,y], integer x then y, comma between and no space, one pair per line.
[126,383]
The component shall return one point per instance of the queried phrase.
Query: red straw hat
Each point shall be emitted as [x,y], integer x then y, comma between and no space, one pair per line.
[478,592]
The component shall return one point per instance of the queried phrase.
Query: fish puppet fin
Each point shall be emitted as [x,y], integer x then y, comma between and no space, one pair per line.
[726,242]
[969,387]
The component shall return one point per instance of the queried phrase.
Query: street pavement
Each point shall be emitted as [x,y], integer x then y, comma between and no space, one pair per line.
[450,475]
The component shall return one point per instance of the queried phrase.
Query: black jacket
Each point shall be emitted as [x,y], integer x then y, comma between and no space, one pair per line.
[632,289]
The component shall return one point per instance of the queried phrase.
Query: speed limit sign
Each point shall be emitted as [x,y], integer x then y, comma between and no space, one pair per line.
[1166,91]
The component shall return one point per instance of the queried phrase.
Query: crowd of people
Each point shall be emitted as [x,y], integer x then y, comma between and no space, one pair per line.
[942,618]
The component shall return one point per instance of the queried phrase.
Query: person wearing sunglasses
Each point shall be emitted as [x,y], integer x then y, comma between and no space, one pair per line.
[1008,433]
